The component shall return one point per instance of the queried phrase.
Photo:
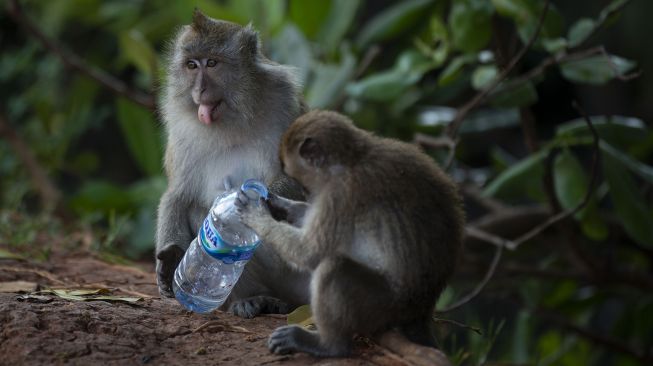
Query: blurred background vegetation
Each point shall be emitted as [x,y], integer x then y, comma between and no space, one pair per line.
[81,144]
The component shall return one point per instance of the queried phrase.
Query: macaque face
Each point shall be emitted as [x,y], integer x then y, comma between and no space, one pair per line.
[211,67]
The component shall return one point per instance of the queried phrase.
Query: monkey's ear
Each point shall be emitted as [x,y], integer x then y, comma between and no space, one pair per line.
[249,40]
[311,151]
[200,21]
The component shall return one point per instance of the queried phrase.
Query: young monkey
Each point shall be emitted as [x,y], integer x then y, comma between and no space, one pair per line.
[381,233]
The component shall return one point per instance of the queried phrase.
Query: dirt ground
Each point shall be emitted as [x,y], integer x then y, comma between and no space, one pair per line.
[50,330]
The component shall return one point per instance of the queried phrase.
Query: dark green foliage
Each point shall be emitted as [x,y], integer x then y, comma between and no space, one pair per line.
[396,68]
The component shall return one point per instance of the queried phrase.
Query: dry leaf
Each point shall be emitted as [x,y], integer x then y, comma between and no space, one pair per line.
[18,286]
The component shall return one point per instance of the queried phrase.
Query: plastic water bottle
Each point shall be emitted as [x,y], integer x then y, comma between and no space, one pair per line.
[216,258]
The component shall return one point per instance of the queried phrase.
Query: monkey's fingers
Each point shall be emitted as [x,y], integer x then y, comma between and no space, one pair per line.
[284,339]
[241,200]
[166,264]
[226,182]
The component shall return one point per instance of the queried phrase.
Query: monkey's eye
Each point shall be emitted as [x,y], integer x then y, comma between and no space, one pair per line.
[211,62]
[190,64]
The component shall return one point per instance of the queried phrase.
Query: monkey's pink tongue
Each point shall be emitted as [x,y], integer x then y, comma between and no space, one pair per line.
[206,113]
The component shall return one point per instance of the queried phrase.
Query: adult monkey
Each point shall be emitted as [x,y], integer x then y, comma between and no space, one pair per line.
[225,107]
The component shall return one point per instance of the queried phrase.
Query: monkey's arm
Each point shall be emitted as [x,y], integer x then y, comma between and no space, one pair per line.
[172,239]
[287,239]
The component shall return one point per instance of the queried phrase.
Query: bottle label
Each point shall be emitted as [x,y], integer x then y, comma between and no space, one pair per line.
[216,247]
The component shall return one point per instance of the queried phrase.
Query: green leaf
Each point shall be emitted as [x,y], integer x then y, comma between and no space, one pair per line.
[138,51]
[142,134]
[483,76]
[329,80]
[570,184]
[617,130]
[594,227]
[555,45]
[643,170]
[487,120]
[570,181]
[454,69]
[579,32]
[309,15]
[633,212]
[596,70]
[523,94]
[392,21]
[389,85]
[290,47]
[520,10]
[521,338]
[339,20]
[526,15]
[470,24]
[301,316]
[100,196]
[521,179]
[611,8]
[266,15]
[5,254]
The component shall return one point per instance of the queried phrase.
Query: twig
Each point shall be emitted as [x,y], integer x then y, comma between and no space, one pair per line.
[454,126]
[476,330]
[43,274]
[489,203]
[528,129]
[486,279]
[600,25]
[567,57]
[501,243]
[367,60]
[217,325]
[369,56]
[431,142]
[476,233]
[73,61]
[615,69]
[588,195]
[50,195]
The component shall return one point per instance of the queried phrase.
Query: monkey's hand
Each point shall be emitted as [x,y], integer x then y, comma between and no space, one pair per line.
[284,209]
[255,215]
[166,262]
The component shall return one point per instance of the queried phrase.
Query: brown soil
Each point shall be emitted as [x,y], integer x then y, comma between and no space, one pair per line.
[50,330]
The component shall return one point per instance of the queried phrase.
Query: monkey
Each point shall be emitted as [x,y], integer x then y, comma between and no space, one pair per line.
[224,107]
[381,234]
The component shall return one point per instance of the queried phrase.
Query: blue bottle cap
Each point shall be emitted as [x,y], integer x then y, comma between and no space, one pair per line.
[256,186]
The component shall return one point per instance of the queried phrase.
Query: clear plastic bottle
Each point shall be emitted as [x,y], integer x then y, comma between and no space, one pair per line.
[216,258]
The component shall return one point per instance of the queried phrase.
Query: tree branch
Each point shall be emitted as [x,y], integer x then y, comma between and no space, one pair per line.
[642,355]
[454,126]
[477,290]
[48,192]
[75,62]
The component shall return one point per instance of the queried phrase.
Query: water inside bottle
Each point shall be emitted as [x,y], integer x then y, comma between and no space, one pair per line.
[204,283]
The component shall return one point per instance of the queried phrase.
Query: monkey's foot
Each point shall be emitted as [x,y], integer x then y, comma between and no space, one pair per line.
[292,338]
[253,306]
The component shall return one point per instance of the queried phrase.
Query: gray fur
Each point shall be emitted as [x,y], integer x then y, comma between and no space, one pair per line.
[261,99]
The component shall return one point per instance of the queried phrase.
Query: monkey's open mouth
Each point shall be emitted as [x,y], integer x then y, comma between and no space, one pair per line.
[208,113]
